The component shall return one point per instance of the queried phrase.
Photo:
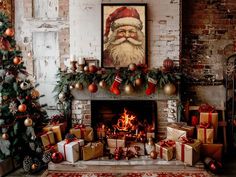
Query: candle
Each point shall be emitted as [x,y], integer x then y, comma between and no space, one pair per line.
[81,61]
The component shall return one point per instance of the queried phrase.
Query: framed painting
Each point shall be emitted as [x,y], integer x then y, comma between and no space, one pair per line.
[124,35]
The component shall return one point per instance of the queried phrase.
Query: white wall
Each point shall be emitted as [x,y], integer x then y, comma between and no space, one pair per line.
[163,28]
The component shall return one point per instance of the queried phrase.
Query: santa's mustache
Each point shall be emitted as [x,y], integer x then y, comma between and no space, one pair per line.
[123,39]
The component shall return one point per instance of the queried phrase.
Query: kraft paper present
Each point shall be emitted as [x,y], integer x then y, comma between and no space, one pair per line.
[88,134]
[189,130]
[211,118]
[56,129]
[174,132]
[6,166]
[48,139]
[76,132]
[92,151]
[140,146]
[189,153]
[165,152]
[205,135]
[214,151]
[70,151]
[114,143]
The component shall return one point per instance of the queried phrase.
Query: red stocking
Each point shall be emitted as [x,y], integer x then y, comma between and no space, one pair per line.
[115,85]
[151,86]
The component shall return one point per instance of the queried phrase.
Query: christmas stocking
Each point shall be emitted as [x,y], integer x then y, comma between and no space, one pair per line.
[151,86]
[115,85]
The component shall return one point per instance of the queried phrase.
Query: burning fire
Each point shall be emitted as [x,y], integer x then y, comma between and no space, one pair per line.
[124,123]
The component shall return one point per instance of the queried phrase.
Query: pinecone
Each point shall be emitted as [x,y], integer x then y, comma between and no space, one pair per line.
[47,157]
[27,163]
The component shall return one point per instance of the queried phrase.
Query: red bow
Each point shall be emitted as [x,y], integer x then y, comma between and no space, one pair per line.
[205,125]
[79,126]
[185,140]
[168,143]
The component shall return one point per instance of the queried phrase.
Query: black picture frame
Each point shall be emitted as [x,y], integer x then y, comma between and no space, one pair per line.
[134,17]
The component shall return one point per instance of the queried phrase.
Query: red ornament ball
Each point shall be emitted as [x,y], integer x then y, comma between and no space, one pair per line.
[92,69]
[17,60]
[168,64]
[57,157]
[92,88]
[138,82]
[153,154]
[9,32]
[132,67]
[22,108]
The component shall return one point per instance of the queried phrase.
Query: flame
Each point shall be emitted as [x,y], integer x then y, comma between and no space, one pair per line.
[124,123]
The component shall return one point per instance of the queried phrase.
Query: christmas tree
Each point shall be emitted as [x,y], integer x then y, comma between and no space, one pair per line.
[21,115]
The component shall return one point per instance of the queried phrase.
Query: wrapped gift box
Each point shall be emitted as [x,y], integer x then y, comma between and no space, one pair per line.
[85,133]
[211,118]
[6,166]
[71,150]
[48,139]
[205,135]
[189,153]
[165,149]
[113,143]
[56,129]
[214,151]
[92,151]
[139,145]
[174,132]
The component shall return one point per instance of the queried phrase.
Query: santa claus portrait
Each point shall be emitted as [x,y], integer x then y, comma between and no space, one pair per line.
[124,35]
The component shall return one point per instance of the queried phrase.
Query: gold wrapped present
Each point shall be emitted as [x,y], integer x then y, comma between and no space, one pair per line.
[188,151]
[211,118]
[214,151]
[165,149]
[80,131]
[70,150]
[48,139]
[205,133]
[6,166]
[114,143]
[56,129]
[92,151]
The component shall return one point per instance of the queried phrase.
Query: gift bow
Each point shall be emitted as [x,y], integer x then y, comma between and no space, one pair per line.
[79,126]
[185,140]
[168,143]
[205,125]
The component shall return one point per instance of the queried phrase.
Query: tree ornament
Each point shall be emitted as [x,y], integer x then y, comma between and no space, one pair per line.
[168,64]
[5,136]
[86,68]
[17,60]
[57,157]
[62,96]
[22,108]
[103,84]
[153,154]
[34,93]
[34,166]
[79,86]
[138,82]
[25,85]
[93,88]
[169,89]
[132,67]
[151,86]
[9,32]
[13,108]
[92,69]
[28,122]
[4,97]
[71,87]
[115,85]
[129,89]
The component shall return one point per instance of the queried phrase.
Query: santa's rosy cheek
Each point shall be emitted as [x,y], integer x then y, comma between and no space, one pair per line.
[134,35]
[119,36]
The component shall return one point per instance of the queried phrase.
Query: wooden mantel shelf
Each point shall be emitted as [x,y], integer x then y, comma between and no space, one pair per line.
[107,165]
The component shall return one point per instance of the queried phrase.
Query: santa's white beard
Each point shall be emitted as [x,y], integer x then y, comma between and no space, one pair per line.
[125,52]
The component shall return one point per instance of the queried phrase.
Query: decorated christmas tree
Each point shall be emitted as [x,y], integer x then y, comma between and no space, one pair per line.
[21,115]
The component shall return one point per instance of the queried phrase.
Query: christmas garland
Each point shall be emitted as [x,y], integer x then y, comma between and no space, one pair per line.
[132,78]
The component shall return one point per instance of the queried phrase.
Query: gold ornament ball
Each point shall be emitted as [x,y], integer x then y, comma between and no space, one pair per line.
[35,94]
[4,97]
[71,87]
[34,166]
[153,154]
[169,89]
[102,84]
[28,122]
[132,67]
[129,89]
[79,86]
[138,82]
[5,136]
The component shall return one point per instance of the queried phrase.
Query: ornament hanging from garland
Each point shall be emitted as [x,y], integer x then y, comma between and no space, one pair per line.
[9,32]
[79,86]
[138,82]
[168,64]
[169,89]
[132,67]
[92,88]
[92,69]
[102,84]
[17,60]
[129,89]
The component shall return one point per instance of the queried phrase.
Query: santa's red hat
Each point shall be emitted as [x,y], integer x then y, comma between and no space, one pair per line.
[120,17]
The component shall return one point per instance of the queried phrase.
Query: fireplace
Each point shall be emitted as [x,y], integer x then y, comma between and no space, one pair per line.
[130,118]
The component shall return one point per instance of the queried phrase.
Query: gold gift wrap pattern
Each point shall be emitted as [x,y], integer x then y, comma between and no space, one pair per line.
[92,151]
[205,135]
[165,149]
[56,129]
[48,139]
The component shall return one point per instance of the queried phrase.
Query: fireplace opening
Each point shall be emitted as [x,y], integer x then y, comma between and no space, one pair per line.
[132,119]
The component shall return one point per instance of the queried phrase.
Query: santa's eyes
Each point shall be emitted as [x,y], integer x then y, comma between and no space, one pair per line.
[126,31]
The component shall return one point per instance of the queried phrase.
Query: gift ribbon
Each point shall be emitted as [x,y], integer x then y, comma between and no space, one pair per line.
[205,126]
[68,140]
[210,117]
[82,129]
[168,143]
[184,141]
